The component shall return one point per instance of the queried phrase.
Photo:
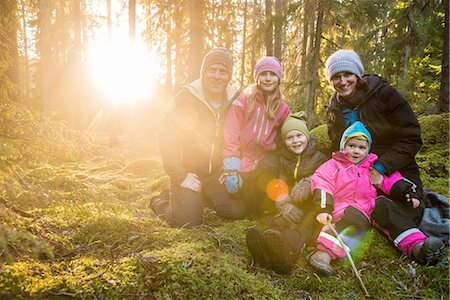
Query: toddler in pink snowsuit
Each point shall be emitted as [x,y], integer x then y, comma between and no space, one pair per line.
[343,187]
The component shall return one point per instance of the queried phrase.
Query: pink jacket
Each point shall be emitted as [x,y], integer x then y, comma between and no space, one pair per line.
[349,184]
[250,138]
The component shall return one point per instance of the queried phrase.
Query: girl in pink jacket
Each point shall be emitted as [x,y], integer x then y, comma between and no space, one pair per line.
[343,187]
[253,122]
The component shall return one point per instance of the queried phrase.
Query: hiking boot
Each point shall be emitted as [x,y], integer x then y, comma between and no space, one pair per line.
[159,203]
[429,252]
[257,247]
[320,260]
[282,258]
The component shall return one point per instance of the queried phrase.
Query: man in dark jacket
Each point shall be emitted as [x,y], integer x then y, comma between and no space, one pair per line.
[191,146]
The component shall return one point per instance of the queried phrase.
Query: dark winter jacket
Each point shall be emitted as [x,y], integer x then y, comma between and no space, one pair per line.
[388,116]
[191,138]
[289,167]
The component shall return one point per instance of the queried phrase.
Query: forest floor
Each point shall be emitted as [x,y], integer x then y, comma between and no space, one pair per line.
[76,223]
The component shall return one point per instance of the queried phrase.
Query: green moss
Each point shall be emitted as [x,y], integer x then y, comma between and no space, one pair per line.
[434,130]
[320,133]
[76,224]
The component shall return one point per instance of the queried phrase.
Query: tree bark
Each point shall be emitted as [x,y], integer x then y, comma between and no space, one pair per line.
[311,91]
[269,30]
[46,66]
[10,72]
[169,47]
[196,46]
[443,102]
[132,20]
[26,75]
[278,37]
[108,18]
[241,81]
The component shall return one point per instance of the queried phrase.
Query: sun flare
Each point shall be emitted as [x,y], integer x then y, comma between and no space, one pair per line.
[123,71]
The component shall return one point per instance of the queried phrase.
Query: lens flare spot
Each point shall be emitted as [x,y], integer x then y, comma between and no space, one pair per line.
[277,190]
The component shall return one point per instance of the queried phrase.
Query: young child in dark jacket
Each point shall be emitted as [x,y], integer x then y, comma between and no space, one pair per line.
[282,187]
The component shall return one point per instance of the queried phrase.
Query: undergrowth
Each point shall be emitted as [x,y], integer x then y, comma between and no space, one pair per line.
[76,224]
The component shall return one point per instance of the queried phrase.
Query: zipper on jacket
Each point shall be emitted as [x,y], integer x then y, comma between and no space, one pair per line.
[213,148]
[256,120]
[216,118]
[260,128]
[267,127]
[297,165]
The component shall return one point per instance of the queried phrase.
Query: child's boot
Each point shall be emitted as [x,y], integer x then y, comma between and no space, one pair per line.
[321,260]
[282,255]
[429,252]
[257,245]
[159,203]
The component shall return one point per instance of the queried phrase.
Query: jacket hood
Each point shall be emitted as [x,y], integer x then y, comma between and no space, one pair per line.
[196,89]
[356,129]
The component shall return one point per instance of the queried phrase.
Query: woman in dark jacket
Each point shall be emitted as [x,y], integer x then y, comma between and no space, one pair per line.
[281,192]
[396,140]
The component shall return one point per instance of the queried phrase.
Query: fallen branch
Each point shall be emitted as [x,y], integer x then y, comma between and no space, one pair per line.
[355,270]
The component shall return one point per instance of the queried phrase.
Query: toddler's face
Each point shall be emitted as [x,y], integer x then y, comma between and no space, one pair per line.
[356,149]
[296,141]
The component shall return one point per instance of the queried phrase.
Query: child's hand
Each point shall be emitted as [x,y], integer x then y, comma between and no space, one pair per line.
[376,178]
[323,218]
[415,201]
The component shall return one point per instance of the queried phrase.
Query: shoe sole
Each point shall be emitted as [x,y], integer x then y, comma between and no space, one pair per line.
[257,247]
[433,257]
[323,269]
[282,259]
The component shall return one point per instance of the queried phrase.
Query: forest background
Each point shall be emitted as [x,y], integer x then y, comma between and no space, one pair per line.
[83,84]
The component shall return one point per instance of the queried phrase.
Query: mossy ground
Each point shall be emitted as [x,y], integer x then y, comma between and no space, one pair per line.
[76,224]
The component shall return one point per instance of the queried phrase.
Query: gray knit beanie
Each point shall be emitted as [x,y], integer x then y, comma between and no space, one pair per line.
[217,56]
[343,61]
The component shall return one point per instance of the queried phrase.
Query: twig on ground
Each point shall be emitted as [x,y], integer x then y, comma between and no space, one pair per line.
[355,270]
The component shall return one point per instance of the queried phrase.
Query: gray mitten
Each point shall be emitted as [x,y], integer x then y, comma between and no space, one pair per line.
[289,210]
[301,191]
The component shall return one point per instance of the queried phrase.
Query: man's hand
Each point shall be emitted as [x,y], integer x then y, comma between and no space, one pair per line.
[192,182]
[323,218]
[376,178]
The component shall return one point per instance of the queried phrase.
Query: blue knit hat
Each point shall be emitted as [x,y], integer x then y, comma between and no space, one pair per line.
[344,61]
[357,129]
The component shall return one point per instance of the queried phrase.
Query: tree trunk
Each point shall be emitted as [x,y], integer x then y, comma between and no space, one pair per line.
[241,81]
[9,74]
[108,18]
[269,30]
[132,20]
[178,30]
[26,75]
[196,38]
[46,65]
[311,91]
[278,37]
[255,25]
[169,48]
[443,102]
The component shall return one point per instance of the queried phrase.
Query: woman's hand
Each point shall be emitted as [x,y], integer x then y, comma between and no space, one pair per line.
[324,218]
[376,178]
[192,182]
